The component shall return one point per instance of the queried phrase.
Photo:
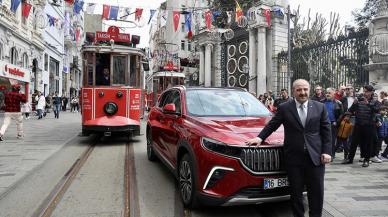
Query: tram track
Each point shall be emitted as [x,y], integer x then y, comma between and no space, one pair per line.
[130,195]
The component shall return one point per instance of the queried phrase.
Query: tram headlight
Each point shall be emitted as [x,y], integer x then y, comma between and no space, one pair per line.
[110,108]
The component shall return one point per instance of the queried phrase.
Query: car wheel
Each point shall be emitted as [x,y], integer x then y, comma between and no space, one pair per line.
[150,150]
[186,181]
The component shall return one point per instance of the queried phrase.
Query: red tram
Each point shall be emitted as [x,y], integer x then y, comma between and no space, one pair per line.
[159,82]
[111,96]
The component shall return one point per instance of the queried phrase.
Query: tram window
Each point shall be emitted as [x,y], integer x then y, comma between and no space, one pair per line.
[102,69]
[119,69]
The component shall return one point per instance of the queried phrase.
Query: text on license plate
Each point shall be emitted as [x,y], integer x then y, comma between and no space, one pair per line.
[275,183]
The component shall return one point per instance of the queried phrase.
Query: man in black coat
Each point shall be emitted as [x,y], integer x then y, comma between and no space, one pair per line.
[307,146]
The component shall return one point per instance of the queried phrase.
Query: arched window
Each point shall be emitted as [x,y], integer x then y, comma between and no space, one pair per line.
[14,56]
[25,60]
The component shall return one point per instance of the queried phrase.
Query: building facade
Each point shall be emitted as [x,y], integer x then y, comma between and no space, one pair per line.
[174,46]
[53,58]
[21,47]
[245,55]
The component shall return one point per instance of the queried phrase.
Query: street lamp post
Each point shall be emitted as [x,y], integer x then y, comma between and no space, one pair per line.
[289,47]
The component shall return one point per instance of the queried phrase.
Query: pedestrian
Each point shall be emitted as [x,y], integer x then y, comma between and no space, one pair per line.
[65,100]
[382,130]
[41,104]
[335,112]
[307,146]
[283,98]
[384,98]
[12,100]
[26,110]
[343,133]
[261,98]
[57,101]
[340,93]
[364,134]
[318,96]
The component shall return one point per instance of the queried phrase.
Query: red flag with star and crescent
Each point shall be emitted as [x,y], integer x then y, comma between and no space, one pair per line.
[105,12]
[176,17]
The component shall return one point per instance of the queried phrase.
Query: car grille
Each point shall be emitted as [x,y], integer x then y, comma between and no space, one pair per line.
[263,160]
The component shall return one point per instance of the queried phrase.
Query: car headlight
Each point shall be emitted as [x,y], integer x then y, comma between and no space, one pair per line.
[110,108]
[221,148]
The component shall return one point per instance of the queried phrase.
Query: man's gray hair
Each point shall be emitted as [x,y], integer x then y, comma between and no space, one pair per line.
[297,81]
[329,89]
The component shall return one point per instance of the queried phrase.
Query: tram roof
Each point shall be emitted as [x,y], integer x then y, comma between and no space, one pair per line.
[168,74]
[113,49]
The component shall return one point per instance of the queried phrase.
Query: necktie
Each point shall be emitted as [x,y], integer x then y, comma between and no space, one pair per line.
[302,114]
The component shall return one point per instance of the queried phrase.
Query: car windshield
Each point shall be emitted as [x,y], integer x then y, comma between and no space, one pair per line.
[223,102]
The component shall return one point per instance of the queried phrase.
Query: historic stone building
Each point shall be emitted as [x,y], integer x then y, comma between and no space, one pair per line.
[378,48]
[246,54]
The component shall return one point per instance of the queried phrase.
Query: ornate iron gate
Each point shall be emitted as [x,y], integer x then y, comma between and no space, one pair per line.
[330,64]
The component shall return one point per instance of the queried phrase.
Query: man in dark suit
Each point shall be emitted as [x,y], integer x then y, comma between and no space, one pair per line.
[307,146]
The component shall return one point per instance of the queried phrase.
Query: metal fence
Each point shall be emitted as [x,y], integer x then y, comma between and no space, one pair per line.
[329,64]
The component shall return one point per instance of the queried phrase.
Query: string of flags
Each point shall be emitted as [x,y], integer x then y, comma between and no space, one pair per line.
[111,12]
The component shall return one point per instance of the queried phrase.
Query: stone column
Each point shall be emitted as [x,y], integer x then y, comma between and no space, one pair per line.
[252,61]
[202,66]
[261,61]
[208,65]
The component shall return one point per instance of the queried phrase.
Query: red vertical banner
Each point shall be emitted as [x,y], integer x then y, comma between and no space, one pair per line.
[26,8]
[267,14]
[105,12]
[176,17]
[208,19]
[77,34]
[134,104]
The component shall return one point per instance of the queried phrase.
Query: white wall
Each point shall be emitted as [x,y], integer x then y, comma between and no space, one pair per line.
[54,39]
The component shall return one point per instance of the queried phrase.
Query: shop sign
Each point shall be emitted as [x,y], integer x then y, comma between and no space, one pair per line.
[112,34]
[14,71]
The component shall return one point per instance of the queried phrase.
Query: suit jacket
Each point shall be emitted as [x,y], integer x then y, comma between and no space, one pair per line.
[316,135]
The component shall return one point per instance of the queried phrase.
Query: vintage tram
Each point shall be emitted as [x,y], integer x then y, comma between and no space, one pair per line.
[111,96]
[159,82]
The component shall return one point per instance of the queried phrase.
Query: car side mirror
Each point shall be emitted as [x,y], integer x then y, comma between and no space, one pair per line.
[169,108]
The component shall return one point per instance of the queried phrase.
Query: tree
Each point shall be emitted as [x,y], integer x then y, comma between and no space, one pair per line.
[363,16]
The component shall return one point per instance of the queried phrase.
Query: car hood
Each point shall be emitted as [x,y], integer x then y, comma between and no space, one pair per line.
[235,131]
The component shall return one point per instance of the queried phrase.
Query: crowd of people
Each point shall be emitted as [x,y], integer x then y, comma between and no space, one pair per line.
[17,108]
[358,118]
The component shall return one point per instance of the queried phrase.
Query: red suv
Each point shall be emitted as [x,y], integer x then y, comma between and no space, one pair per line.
[200,133]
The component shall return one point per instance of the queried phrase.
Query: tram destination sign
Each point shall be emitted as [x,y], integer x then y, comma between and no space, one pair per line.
[114,34]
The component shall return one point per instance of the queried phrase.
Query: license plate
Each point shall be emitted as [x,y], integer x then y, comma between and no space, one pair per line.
[275,183]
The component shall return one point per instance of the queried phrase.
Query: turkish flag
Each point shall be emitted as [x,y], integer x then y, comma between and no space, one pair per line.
[138,13]
[26,8]
[105,11]
[176,17]
[208,19]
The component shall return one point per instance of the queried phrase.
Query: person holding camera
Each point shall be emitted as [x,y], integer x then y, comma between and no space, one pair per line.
[365,109]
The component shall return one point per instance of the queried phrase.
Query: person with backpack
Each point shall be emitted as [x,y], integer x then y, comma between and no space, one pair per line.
[343,133]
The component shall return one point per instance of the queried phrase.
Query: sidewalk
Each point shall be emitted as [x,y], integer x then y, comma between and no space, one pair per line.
[351,190]
[42,138]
